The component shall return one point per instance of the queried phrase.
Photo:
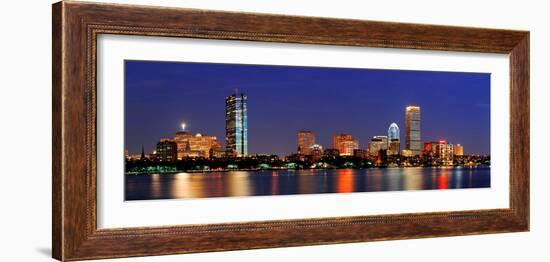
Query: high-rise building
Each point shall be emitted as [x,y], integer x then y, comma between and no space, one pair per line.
[459,150]
[378,143]
[393,140]
[337,139]
[167,150]
[345,144]
[347,147]
[412,129]
[446,154]
[236,126]
[394,147]
[306,139]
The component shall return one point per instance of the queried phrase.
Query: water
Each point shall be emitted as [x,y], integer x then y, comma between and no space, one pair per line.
[289,182]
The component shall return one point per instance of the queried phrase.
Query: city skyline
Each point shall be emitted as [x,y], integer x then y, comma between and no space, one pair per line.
[367,125]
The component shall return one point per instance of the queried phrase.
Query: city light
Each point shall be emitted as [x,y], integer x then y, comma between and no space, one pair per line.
[310,144]
[381,150]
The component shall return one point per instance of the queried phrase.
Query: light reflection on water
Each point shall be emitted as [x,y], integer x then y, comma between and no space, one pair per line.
[288,182]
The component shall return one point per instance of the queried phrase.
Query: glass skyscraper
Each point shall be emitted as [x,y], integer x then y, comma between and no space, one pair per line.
[236,127]
[393,132]
[393,139]
[412,125]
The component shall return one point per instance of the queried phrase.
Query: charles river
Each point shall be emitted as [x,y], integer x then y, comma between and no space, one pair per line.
[312,181]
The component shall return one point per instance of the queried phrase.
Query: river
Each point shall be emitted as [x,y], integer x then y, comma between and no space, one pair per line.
[289,182]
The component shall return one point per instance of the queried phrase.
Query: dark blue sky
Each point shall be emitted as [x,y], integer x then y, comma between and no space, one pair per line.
[284,99]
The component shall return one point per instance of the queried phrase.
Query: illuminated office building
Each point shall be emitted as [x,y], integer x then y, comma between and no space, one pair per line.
[236,127]
[197,145]
[306,139]
[412,129]
[167,150]
[459,150]
[393,140]
[182,142]
[378,143]
[394,147]
[430,148]
[446,154]
[348,147]
[440,152]
[345,144]
[216,150]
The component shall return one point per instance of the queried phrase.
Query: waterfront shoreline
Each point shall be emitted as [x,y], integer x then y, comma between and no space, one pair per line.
[300,169]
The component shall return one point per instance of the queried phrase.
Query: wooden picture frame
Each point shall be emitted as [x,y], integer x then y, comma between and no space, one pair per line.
[76,26]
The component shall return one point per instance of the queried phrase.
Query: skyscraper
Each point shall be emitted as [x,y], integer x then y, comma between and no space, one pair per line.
[306,139]
[236,127]
[412,126]
[393,139]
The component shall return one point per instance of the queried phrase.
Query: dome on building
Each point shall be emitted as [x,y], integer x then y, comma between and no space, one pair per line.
[393,132]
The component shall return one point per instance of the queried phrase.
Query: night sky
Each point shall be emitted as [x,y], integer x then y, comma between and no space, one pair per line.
[159,96]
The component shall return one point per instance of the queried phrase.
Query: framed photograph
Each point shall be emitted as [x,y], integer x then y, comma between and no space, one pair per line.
[181,130]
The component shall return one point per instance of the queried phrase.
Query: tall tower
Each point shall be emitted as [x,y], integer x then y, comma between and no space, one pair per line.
[393,139]
[142,153]
[236,126]
[412,126]
[306,139]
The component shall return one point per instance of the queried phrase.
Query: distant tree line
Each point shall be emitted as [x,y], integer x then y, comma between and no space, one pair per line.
[269,162]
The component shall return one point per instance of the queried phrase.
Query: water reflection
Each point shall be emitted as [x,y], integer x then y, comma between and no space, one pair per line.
[345,181]
[184,186]
[412,179]
[156,190]
[238,184]
[274,183]
[287,182]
